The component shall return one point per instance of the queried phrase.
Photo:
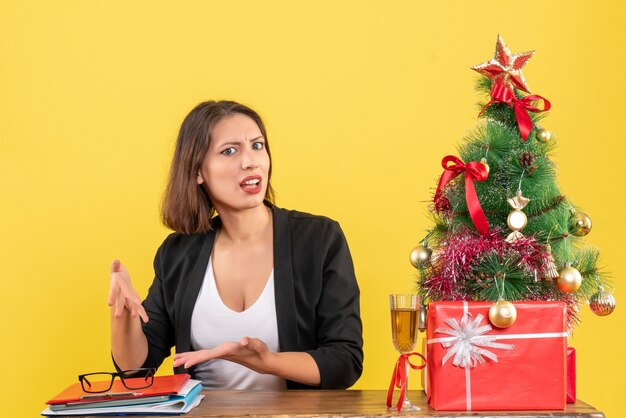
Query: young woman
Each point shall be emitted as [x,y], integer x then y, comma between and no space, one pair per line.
[256,297]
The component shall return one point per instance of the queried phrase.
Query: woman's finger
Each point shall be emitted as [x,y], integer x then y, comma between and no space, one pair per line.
[115,287]
[178,360]
[114,292]
[253,344]
[115,266]
[133,304]
[119,308]
[142,314]
[187,359]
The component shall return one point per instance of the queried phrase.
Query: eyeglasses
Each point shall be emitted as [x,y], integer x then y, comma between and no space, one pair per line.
[103,381]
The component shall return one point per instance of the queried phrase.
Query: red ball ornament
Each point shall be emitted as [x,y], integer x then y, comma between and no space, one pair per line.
[442,205]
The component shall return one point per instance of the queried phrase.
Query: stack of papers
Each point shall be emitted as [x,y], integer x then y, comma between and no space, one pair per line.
[169,395]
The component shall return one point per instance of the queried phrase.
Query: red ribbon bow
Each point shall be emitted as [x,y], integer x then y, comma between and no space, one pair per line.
[501,93]
[399,377]
[474,171]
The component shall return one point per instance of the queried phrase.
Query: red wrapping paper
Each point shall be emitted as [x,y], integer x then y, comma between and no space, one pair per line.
[571,375]
[530,376]
[425,369]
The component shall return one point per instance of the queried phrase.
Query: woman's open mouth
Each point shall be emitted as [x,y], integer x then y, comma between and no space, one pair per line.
[251,184]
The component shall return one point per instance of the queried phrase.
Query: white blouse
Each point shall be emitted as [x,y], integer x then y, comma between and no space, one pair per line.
[213,323]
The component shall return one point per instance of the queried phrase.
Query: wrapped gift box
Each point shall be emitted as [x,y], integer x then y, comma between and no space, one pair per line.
[472,365]
[571,375]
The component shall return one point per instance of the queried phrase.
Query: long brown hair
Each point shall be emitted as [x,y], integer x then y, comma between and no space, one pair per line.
[187,207]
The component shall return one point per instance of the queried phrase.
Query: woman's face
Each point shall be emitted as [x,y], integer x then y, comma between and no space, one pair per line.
[235,170]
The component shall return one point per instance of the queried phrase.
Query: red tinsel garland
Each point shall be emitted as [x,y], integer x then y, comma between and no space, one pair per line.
[457,256]
[455,259]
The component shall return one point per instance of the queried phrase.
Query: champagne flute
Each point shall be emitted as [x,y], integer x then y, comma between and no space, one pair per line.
[404,317]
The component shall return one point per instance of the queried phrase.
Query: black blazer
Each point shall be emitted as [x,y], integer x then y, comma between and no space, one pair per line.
[316,293]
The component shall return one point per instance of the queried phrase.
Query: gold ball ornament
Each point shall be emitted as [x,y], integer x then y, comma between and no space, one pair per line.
[516,220]
[420,256]
[421,320]
[602,303]
[543,135]
[483,161]
[502,314]
[569,279]
[580,224]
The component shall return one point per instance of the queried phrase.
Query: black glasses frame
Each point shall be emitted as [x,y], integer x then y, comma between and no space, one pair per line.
[144,373]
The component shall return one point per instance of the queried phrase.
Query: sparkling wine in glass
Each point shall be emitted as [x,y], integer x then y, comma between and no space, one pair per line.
[404,326]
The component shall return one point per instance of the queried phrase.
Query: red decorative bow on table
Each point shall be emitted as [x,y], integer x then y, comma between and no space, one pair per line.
[474,171]
[501,93]
[399,377]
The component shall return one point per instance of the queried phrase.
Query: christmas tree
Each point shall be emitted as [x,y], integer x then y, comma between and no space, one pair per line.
[503,231]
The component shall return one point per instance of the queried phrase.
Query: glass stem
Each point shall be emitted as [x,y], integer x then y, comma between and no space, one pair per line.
[406,388]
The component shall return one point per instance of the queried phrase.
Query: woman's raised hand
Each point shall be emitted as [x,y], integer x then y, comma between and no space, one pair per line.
[122,294]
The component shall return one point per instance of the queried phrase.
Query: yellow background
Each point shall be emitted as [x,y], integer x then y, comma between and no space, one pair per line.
[362,99]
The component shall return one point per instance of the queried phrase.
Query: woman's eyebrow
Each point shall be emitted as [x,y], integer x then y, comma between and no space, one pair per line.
[238,141]
[231,142]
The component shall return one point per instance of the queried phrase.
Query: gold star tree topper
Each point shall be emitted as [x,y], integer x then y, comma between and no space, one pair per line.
[506,67]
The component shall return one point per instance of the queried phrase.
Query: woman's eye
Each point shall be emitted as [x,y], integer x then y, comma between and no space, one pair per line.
[229,151]
[258,145]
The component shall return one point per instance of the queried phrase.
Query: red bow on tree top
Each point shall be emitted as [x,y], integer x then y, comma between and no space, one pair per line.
[501,93]
[474,171]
